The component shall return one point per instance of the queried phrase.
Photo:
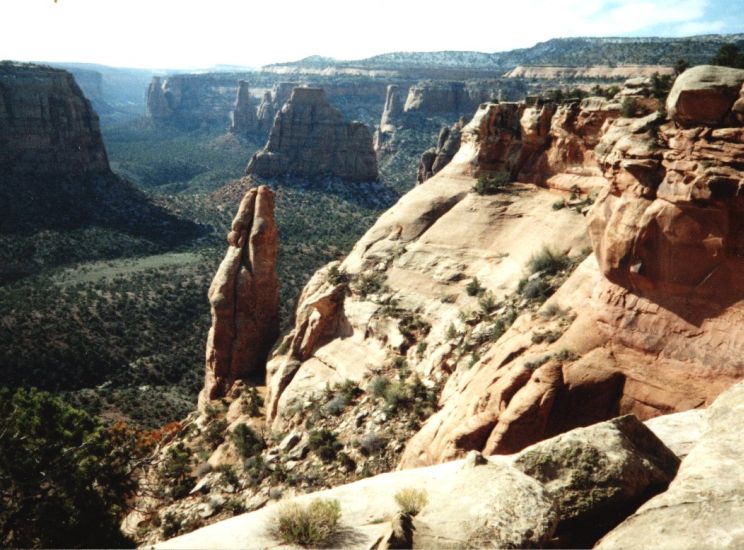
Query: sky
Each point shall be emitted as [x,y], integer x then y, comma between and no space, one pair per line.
[183,34]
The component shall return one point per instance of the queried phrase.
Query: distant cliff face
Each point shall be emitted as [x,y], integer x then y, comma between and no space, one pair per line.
[47,127]
[310,138]
[55,172]
[192,101]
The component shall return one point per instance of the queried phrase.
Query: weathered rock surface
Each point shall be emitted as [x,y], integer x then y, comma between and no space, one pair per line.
[704,505]
[47,127]
[243,119]
[436,158]
[443,97]
[489,505]
[55,171]
[704,95]
[271,103]
[392,110]
[598,475]
[244,296]
[655,327]
[479,501]
[310,138]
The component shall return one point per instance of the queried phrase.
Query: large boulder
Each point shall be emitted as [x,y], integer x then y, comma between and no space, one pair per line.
[704,505]
[599,474]
[495,506]
[704,95]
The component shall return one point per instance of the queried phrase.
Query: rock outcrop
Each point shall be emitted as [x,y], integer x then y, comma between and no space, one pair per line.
[704,96]
[392,116]
[48,127]
[55,171]
[436,158]
[244,297]
[446,97]
[667,285]
[543,497]
[310,139]
[599,475]
[392,110]
[243,118]
[271,103]
[192,101]
[704,504]
[635,329]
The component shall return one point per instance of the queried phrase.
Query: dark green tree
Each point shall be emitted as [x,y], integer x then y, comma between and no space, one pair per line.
[728,56]
[64,477]
[680,66]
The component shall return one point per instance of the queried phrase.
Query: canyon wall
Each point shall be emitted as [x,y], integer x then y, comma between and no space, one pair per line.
[54,164]
[443,282]
[310,138]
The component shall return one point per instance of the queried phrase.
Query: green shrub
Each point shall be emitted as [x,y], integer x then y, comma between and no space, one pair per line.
[177,470]
[228,474]
[325,444]
[312,525]
[535,290]
[493,184]
[247,441]
[335,276]
[487,302]
[252,402]
[64,477]
[378,386]
[548,261]
[215,433]
[473,288]
[368,283]
[397,396]
[559,204]
[411,500]
[629,107]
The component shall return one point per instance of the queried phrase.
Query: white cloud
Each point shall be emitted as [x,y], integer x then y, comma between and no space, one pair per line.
[193,33]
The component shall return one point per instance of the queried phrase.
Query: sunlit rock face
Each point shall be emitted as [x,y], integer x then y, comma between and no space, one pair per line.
[310,138]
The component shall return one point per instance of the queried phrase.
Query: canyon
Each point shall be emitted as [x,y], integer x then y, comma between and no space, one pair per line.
[510,277]
[529,291]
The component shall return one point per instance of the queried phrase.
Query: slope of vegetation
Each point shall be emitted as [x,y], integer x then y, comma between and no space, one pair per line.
[124,336]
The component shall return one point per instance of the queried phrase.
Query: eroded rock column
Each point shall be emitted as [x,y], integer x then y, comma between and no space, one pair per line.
[244,298]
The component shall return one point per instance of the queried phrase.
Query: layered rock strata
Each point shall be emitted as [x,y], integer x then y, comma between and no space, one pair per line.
[635,329]
[656,323]
[244,298]
[310,138]
[55,171]
[47,126]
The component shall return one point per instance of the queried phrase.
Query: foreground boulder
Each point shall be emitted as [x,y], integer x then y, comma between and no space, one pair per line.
[704,95]
[544,497]
[244,296]
[599,474]
[310,138]
[489,505]
[704,505]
